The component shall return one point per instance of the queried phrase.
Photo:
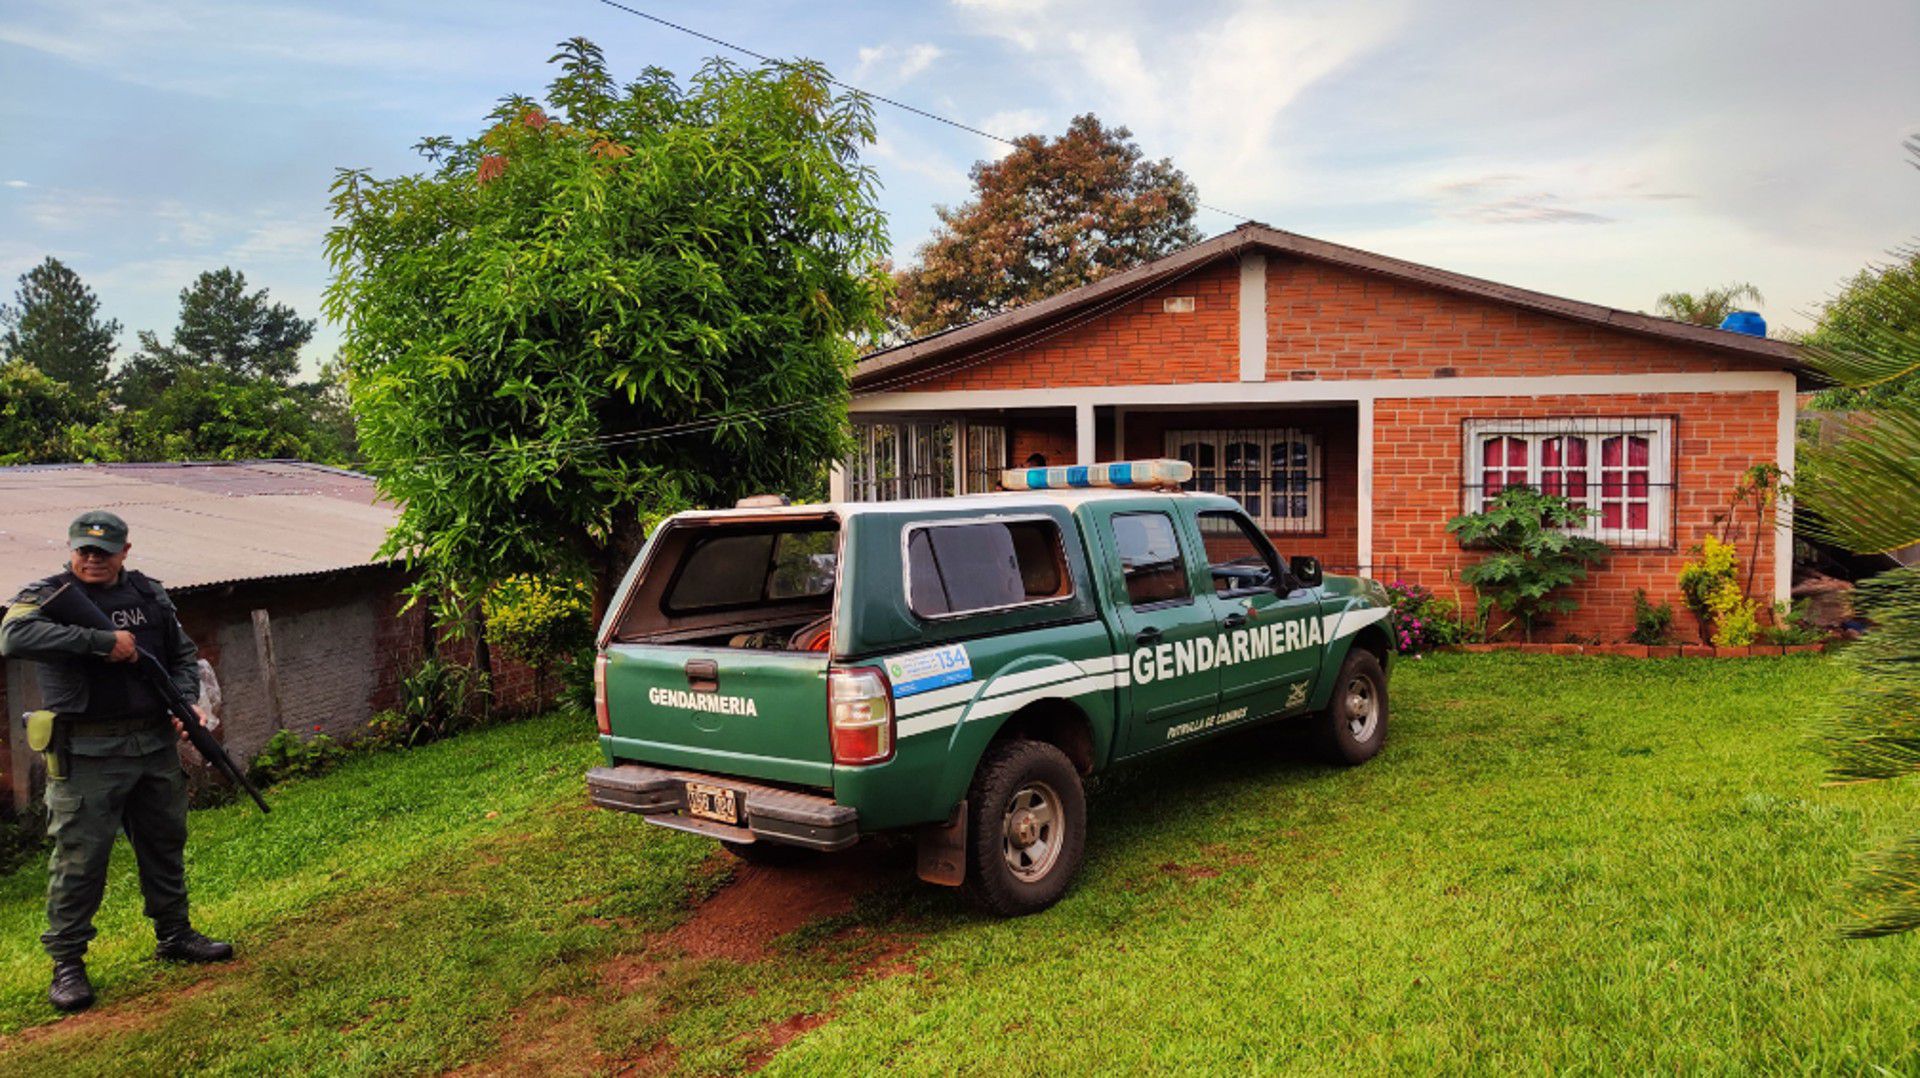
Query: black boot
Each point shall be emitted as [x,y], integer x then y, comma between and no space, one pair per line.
[186,945]
[71,991]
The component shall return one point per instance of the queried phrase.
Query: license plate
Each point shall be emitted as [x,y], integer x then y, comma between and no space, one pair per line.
[712,803]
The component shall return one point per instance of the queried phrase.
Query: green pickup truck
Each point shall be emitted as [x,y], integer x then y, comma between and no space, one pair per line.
[798,676]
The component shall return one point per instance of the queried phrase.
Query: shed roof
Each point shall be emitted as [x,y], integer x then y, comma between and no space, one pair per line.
[879,370]
[197,524]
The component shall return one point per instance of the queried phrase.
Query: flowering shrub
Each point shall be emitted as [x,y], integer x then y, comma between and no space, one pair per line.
[1710,583]
[1421,620]
[539,621]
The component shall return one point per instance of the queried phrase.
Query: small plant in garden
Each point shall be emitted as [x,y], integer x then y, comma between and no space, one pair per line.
[436,699]
[539,622]
[1651,624]
[288,756]
[1421,621]
[1791,625]
[1710,584]
[1534,552]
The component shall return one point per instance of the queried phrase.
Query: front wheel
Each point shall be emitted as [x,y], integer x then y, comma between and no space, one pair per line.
[1354,725]
[1026,828]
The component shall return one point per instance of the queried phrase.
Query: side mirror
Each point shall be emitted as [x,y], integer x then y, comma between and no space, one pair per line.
[1305,570]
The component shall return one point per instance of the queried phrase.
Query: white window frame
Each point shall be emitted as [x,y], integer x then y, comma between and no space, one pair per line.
[1314,522]
[1657,430]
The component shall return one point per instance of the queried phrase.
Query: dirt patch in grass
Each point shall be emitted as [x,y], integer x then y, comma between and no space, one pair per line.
[764,902]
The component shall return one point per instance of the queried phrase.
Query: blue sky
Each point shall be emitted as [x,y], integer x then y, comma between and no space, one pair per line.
[1607,152]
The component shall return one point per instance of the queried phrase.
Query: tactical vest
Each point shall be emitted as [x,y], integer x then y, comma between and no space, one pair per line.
[132,603]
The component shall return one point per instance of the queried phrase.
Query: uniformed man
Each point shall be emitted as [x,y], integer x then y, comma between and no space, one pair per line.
[112,761]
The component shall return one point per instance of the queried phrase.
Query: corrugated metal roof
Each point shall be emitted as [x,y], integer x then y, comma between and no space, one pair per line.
[199,523]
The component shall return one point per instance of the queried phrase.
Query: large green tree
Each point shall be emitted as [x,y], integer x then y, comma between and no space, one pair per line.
[41,419]
[1051,215]
[1874,314]
[621,301]
[1709,307]
[54,323]
[223,328]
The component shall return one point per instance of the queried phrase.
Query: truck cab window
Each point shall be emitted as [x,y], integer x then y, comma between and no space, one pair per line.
[1238,556]
[1150,560]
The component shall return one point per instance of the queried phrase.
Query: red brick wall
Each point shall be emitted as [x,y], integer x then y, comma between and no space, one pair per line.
[1417,488]
[1327,322]
[1138,342]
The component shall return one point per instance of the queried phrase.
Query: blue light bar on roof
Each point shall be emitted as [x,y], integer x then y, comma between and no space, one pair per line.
[1126,473]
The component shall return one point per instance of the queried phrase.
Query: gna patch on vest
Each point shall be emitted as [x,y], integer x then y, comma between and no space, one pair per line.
[1204,653]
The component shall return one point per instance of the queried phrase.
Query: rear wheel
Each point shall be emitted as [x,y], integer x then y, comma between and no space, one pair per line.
[1354,725]
[1026,831]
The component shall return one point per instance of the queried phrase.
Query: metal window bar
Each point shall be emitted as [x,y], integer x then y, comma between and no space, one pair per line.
[895,460]
[1276,473]
[1620,468]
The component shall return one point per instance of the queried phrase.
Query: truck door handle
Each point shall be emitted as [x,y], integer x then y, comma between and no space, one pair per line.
[703,675]
[1234,620]
[1147,637]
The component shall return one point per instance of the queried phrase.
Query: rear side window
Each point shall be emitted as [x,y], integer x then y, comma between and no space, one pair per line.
[1150,559]
[747,568]
[959,568]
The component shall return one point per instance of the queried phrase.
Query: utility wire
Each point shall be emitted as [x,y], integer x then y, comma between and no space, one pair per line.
[901,105]
[706,424]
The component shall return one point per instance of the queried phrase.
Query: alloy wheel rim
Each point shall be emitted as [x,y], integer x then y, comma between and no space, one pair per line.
[1363,708]
[1031,831]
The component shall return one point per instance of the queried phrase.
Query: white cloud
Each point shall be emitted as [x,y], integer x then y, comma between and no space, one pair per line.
[887,66]
[18,183]
[1011,124]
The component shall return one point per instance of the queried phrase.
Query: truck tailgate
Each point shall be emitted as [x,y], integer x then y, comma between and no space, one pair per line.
[730,711]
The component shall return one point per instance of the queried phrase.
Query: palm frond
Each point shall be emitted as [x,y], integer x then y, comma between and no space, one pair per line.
[1861,486]
[1884,899]
[1875,732]
[1878,340]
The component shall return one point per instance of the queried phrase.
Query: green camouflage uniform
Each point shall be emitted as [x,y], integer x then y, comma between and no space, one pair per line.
[115,747]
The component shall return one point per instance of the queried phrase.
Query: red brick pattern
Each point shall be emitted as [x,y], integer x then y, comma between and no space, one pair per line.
[1417,476]
[1326,322]
[1137,342]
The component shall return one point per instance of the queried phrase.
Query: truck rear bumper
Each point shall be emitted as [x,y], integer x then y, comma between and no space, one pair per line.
[768,813]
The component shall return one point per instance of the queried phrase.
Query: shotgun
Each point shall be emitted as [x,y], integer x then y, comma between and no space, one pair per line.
[71,606]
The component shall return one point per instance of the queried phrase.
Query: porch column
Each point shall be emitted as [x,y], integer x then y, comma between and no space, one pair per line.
[1083,433]
[1783,524]
[1363,553]
[837,482]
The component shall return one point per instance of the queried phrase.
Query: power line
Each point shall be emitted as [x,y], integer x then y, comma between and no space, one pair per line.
[647,434]
[901,105]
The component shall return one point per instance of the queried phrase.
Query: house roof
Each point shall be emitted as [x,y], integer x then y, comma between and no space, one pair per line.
[197,524]
[875,370]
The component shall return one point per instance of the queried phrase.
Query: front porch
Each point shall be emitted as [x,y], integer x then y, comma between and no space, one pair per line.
[1296,468]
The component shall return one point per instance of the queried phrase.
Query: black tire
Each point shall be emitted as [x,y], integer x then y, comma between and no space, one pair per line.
[1023,790]
[768,853]
[1346,735]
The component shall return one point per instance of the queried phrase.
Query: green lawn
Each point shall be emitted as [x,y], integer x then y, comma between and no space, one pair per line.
[1558,864]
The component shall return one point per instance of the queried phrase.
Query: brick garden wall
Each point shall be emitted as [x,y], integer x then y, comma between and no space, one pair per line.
[1417,487]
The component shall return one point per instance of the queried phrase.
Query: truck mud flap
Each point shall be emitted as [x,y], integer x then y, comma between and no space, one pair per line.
[770,813]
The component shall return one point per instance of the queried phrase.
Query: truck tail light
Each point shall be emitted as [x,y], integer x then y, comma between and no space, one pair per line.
[600,693]
[860,715]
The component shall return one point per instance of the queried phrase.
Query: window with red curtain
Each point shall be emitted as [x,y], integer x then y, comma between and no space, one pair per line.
[1621,468]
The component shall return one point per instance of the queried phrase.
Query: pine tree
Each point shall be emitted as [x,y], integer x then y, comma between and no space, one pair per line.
[54,324]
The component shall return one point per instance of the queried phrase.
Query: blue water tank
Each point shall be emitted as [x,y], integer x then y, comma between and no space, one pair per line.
[1747,322]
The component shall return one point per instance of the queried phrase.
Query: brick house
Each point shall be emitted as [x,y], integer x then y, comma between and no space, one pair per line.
[272,563]
[1354,403]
